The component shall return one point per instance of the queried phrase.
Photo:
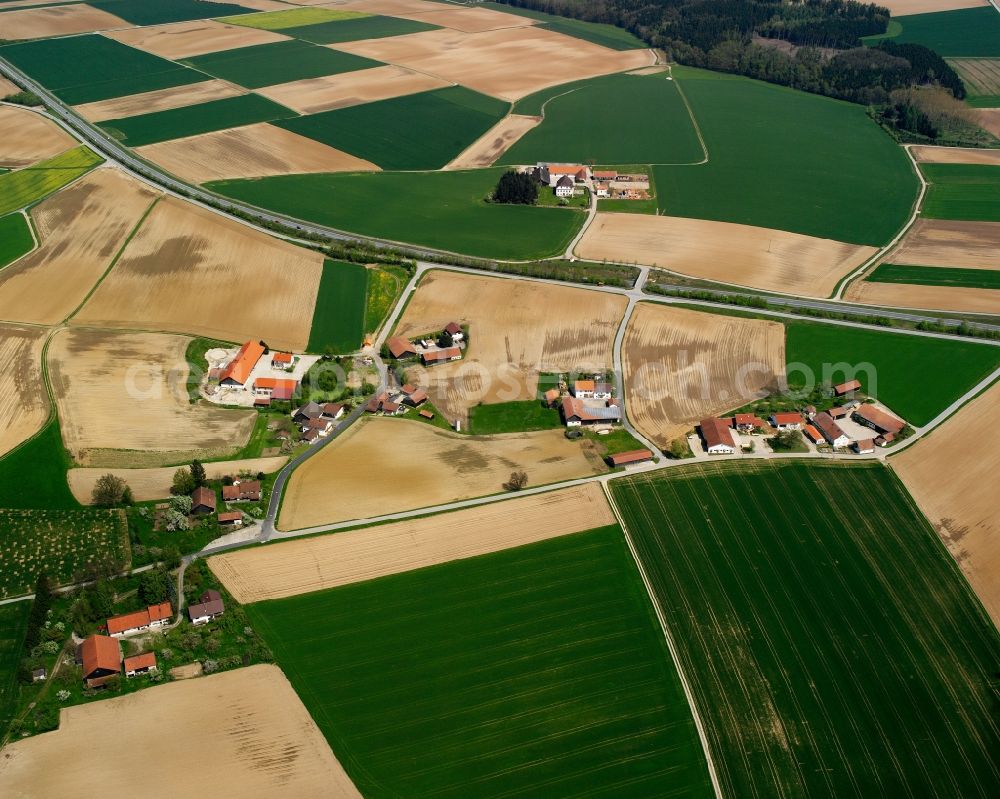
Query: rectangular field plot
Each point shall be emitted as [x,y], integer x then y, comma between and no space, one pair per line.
[269,64]
[192,120]
[962,191]
[937,276]
[292,18]
[15,238]
[84,69]
[438,126]
[832,645]
[356,29]
[537,671]
[339,318]
[157,12]
[981,77]
[26,186]
[660,128]
[968,32]
[609,36]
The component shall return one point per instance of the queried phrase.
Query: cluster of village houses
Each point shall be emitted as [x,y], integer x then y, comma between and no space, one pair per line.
[822,428]
[429,348]
[100,655]
[256,376]
[566,180]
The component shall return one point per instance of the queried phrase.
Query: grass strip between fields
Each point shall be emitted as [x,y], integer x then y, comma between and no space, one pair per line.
[339,317]
[956,277]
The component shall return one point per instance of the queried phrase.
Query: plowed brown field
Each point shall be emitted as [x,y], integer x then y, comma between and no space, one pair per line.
[761,258]
[24,402]
[313,95]
[36,23]
[470,20]
[126,391]
[252,151]
[27,137]
[314,564]
[989,119]
[941,298]
[942,242]
[384,465]
[160,100]
[509,63]
[185,39]
[955,155]
[952,474]
[681,366]
[495,142]
[232,735]
[80,229]
[6,87]
[517,329]
[191,270]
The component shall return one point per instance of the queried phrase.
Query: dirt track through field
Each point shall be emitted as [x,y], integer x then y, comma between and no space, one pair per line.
[761,258]
[147,484]
[904,295]
[238,734]
[314,564]
[24,402]
[517,329]
[186,39]
[495,142]
[955,155]
[943,242]
[257,150]
[80,229]
[509,63]
[313,95]
[160,100]
[952,475]
[680,366]
[190,270]
[126,391]
[37,23]
[27,137]
[384,465]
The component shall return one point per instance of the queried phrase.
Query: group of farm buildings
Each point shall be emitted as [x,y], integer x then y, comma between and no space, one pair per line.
[565,179]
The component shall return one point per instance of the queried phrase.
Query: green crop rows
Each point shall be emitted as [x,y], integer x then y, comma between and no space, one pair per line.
[962,191]
[609,36]
[512,417]
[536,671]
[832,645]
[34,474]
[338,321]
[967,32]
[936,276]
[158,12]
[353,30]
[26,186]
[15,237]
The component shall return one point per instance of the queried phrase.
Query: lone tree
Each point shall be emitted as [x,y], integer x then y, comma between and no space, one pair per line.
[183,483]
[517,188]
[110,491]
[198,474]
[517,481]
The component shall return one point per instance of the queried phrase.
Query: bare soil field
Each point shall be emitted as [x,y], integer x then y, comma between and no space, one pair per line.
[980,75]
[160,100]
[389,8]
[251,151]
[942,298]
[495,142]
[962,506]
[314,564]
[27,137]
[190,270]
[155,483]
[955,155]
[901,8]
[237,734]
[6,87]
[80,229]
[265,5]
[517,329]
[943,242]
[185,39]
[35,23]
[508,63]
[469,20]
[989,119]
[761,258]
[128,391]
[385,465]
[680,366]
[313,95]
[24,402]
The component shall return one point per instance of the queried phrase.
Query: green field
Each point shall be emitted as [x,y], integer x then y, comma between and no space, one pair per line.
[512,417]
[936,276]
[353,30]
[609,36]
[916,376]
[191,120]
[833,647]
[438,125]
[84,69]
[659,132]
[13,625]
[962,191]
[26,186]
[438,209]
[385,284]
[34,475]
[15,237]
[59,542]
[338,321]
[789,160]
[968,32]
[281,62]
[158,12]
[537,671]
[293,18]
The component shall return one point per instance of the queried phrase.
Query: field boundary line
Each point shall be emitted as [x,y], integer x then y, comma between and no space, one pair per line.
[694,122]
[688,693]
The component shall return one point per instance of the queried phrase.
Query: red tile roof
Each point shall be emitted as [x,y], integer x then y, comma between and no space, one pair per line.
[282,357]
[399,346]
[203,496]
[843,388]
[830,429]
[632,456]
[452,328]
[160,612]
[147,660]
[273,383]
[717,431]
[788,418]
[128,621]
[100,652]
[445,354]
[427,414]
[239,368]
[879,419]
[230,516]
[815,435]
